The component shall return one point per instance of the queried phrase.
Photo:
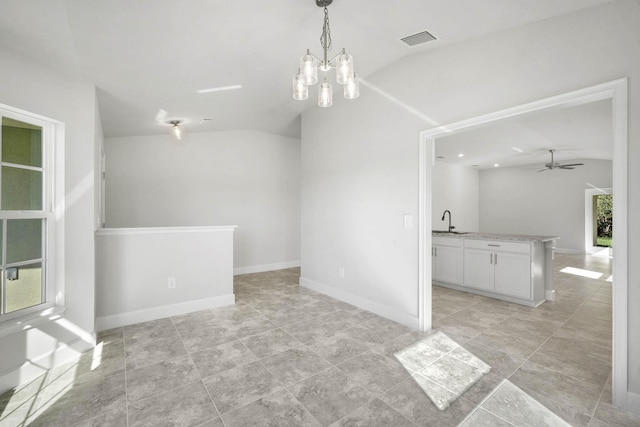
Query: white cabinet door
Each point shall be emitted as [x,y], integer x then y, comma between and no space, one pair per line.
[447,264]
[513,274]
[478,269]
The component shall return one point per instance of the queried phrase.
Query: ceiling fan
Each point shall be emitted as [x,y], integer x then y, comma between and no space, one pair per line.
[553,165]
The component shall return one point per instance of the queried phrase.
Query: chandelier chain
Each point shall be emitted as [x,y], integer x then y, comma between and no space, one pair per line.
[326,31]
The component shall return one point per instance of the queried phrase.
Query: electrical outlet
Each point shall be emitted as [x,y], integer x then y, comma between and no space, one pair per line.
[171,283]
[341,271]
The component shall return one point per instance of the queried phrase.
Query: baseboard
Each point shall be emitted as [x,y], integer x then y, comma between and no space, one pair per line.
[569,251]
[265,267]
[633,402]
[363,303]
[131,317]
[33,368]
[550,295]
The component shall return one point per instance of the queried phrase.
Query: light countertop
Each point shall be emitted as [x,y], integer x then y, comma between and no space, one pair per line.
[496,236]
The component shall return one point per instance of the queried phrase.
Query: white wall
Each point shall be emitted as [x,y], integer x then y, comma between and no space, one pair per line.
[245,178]
[456,188]
[357,187]
[26,85]
[521,201]
[134,265]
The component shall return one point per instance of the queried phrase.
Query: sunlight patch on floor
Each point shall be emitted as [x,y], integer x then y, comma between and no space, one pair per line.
[442,368]
[580,272]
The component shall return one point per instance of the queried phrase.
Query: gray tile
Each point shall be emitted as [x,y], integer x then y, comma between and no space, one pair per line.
[288,316]
[482,418]
[374,414]
[222,357]
[149,352]
[330,395]
[308,330]
[116,417]
[417,356]
[81,400]
[576,358]
[338,347]
[452,374]
[204,338]
[517,407]
[156,379]
[295,364]
[523,325]
[564,395]
[185,406]
[251,326]
[501,363]
[374,371]
[216,422]
[411,401]
[279,409]
[240,386]
[519,347]
[270,342]
[149,331]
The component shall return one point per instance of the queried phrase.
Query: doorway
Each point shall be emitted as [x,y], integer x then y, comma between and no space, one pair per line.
[616,91]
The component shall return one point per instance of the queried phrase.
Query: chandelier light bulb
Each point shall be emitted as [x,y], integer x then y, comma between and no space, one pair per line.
[325,95]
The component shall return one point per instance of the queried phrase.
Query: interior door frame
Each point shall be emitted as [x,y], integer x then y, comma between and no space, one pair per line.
[616,91]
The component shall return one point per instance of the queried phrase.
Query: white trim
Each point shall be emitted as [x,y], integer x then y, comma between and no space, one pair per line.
[363,303]
[615,90]
[131,317]
[265,267]
[633,402]
[164,230]
[32,368]
[31,320]
[550,295]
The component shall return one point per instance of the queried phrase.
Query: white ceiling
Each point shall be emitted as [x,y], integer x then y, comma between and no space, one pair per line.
[576,132]
[146,55]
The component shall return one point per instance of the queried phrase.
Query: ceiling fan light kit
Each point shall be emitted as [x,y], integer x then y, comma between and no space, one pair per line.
[176,129]
[554,165]
[310,64]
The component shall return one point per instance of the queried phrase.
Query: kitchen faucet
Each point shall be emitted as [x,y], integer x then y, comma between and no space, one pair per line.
[451,227]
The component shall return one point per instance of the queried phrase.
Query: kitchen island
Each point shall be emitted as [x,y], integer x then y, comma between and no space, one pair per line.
[511,267]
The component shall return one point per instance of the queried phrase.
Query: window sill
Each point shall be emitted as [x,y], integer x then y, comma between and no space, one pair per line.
[31,320]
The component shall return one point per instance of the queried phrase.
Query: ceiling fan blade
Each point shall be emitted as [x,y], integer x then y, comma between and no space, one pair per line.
[545,169]
[573,164]
[565,167]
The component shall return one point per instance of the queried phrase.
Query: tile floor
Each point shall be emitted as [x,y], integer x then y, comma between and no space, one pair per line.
[287,356]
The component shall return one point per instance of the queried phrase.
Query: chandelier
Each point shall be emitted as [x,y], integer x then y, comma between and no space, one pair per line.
[310,64]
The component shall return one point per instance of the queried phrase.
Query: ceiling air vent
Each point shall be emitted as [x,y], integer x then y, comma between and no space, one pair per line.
[418,38]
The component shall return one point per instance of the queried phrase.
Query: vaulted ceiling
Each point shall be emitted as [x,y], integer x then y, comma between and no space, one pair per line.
[145,56]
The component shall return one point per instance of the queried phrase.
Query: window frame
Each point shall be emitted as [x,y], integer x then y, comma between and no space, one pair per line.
[52,158]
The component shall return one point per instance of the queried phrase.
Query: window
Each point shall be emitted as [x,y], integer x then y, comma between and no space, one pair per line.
[26,214]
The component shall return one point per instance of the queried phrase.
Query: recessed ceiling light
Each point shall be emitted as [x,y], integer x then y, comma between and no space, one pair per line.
[461,155]
[495,165]
[219,89]
[519,150]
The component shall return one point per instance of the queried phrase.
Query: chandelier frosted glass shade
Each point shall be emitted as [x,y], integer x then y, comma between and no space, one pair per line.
[310,65]
[309,69]
[300,88]
[325,95]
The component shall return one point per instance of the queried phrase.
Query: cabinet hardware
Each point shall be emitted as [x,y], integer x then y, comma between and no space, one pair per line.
[495,260]
[495,246]
[491,258]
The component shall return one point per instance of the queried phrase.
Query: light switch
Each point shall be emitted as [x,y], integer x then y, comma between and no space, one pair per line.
[408,221]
